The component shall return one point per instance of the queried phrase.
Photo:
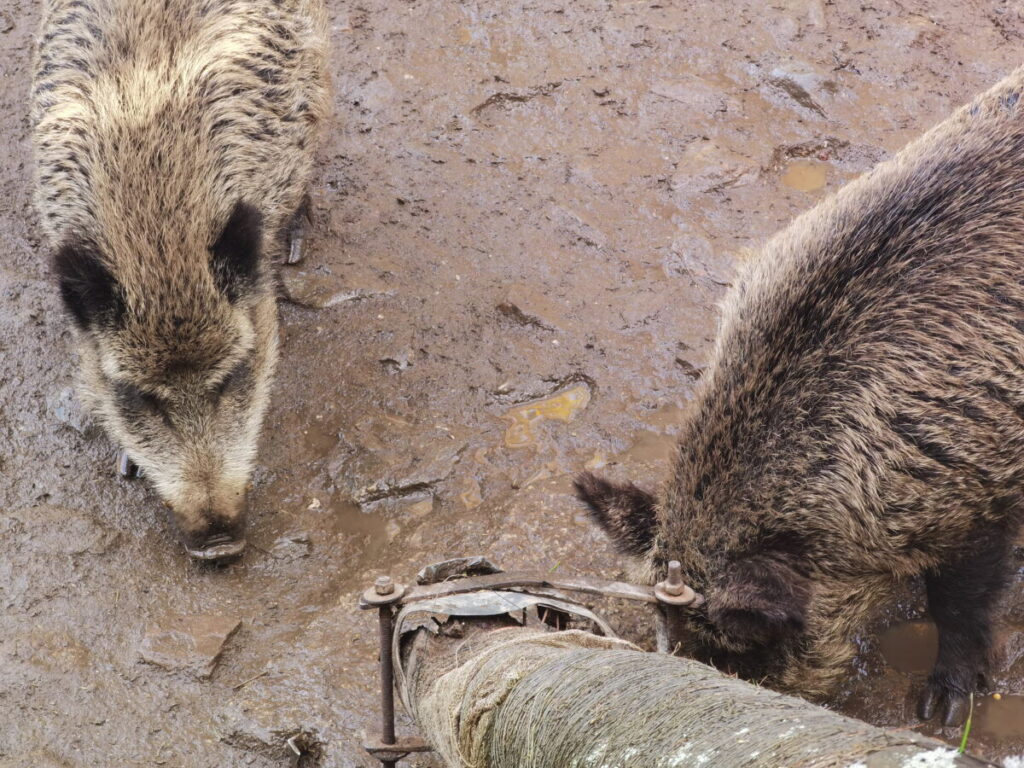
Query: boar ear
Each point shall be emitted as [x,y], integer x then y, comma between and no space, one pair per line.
[761,600]
[90,293]
[235,256]
[626,513]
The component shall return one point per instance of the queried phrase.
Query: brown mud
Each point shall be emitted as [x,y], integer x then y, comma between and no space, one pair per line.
[516,201]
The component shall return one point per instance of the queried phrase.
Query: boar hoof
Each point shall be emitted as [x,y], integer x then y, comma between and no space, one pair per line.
[218,548]
[126,467]
[297,233]
[296,246]
[955,703]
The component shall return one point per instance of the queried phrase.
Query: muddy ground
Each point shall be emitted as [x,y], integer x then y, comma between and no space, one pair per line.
[516,200]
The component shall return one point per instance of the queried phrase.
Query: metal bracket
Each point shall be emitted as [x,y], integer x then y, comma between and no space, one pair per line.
[535,584]
[671,596]
[393,752]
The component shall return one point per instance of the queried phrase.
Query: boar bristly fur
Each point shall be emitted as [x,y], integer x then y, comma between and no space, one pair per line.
[861,421]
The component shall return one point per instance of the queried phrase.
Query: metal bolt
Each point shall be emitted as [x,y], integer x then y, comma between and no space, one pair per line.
[387,674]
[673,584]
[384,585]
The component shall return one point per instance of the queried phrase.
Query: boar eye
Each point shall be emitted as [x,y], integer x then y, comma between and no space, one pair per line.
[235,380]
[131,399]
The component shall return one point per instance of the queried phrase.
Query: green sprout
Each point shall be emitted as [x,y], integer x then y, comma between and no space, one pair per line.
[967,726]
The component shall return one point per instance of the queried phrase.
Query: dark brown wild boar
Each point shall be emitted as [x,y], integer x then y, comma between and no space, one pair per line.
[861,421]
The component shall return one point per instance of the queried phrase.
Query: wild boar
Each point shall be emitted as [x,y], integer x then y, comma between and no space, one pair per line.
[860,423]
[174,146]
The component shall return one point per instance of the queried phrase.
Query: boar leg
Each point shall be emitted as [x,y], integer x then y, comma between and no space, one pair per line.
[297,232]
[961,599]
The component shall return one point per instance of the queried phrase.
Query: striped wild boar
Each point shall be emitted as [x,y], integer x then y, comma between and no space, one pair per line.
[174,145]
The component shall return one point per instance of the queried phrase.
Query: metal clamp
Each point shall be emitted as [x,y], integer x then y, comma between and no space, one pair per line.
[502,593]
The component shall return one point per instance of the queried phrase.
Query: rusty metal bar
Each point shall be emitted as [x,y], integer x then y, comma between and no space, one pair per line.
[529,581]
[387,683]
[383,595]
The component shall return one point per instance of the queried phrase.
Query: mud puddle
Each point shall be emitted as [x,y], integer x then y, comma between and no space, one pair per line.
[805,176]
[901,659]
[526,418]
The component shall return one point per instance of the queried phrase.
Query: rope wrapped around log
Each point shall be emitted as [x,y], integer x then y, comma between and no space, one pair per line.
[515,697]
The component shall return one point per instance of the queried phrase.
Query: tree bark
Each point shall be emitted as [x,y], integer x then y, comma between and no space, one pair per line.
[489,695]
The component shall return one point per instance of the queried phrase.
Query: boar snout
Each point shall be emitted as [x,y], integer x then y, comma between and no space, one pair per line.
[217,542]
[213,534]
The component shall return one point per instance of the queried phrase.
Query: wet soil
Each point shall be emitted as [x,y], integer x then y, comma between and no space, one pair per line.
[524,215]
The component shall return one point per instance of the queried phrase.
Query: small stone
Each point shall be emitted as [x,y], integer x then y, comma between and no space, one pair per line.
[706,166]
[692,257]
[562,405]
[796,91]
[398,361]
[531,307]
[689,369]
[421,507]
[801,84]
[189,643]
[319,289]
[64,408]
[476,565]
[292,546]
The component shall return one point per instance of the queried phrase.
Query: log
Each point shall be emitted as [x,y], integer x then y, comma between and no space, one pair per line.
[489,693]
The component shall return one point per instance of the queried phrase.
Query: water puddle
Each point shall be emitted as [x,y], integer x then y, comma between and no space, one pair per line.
[910,647]
[667,417]
[650,448]
[561,406]
[805,175]
[1000,717]
[343,516]
[321,435]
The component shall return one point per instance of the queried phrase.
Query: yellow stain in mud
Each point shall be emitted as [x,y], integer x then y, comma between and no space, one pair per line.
[561,406]
[805,176]
[471,497]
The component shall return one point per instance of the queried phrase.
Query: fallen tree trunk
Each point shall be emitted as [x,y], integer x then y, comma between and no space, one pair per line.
[511,697]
